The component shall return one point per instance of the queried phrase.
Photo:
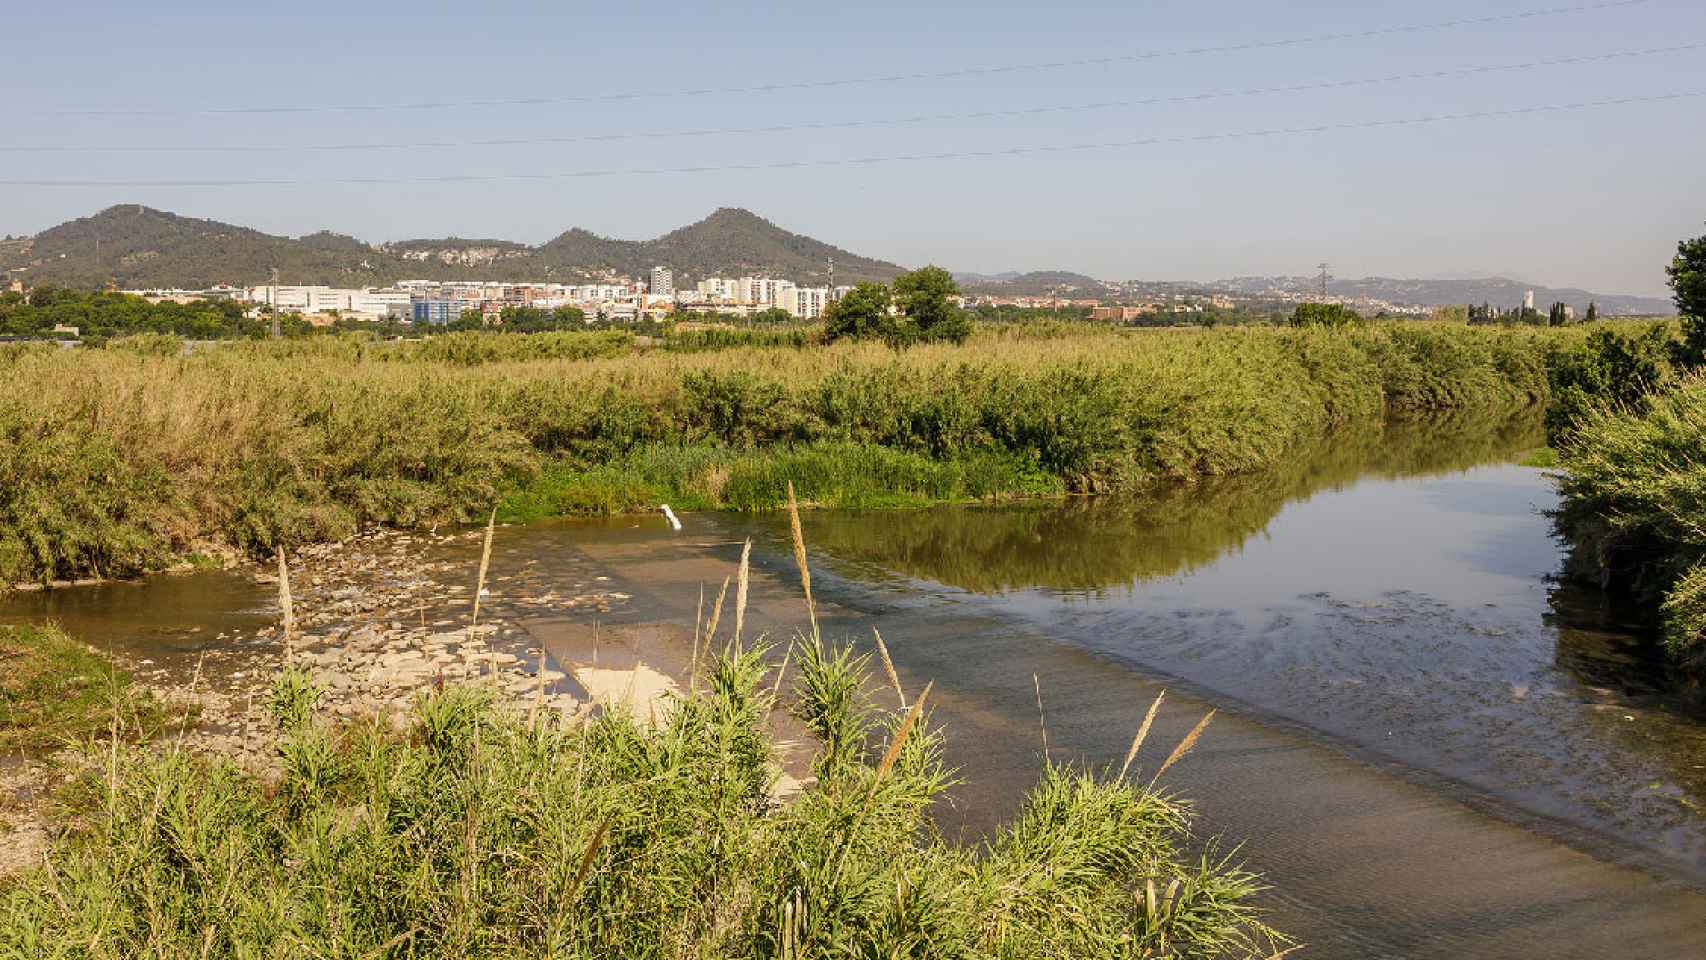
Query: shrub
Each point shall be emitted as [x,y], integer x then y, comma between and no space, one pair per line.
[1612,368]
[1634,490]
[1324,315]
[479,833]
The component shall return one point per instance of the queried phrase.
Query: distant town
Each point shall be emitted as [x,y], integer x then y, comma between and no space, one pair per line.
[618,299]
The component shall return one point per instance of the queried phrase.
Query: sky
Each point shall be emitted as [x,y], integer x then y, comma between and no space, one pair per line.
[1594,197]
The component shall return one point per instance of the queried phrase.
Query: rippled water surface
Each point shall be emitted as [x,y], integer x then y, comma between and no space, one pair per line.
[1431,747]
[1404,605]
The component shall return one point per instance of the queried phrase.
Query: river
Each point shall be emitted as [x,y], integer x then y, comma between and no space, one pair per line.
[1428,746]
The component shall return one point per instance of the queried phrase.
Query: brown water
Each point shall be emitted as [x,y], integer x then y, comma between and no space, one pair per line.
[1427,746]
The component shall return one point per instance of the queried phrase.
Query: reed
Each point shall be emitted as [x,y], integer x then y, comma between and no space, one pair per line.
[799,540]
[286,610]
[1183,748]
[117,462]
[888,667]
[1142,734]
[1042,720]
[742,578]
[716,613]
[1631,509]
[475,829]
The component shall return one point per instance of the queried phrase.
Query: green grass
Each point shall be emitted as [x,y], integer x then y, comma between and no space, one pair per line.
[55,692]
[478,832]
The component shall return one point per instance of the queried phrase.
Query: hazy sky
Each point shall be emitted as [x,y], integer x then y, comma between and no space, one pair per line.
[1596,198]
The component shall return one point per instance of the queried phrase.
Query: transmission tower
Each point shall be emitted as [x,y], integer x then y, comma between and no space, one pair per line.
[274,299]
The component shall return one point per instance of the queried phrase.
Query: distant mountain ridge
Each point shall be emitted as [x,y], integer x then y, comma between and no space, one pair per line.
[138,246]
[1033,283]
[1497,291]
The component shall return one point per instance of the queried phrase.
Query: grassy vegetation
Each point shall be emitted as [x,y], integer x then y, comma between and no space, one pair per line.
[114,462]
[55,691]
[480,832]
[1619,366]
[825,474]
[1634,493]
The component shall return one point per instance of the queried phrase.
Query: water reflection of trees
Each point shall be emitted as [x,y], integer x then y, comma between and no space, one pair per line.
[1092,543]
[1633,698]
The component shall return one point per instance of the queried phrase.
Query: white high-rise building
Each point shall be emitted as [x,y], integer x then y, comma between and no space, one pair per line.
[720,288]
[1528,300]
[663,282]
[808,303]
[765,292]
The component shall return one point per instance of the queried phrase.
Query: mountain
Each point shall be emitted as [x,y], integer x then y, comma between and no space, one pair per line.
[1443,291]
[1036,283]
[141,247]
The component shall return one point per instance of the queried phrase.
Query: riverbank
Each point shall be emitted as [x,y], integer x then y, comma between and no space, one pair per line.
[1634,493]
[476,823]
[115,463]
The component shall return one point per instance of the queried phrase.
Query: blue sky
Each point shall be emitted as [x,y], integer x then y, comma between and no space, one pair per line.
[1594,198]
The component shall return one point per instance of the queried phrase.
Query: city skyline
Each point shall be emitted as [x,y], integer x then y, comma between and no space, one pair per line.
[1586,197]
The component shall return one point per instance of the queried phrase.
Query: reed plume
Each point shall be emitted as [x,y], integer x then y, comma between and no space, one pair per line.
[1184,747]
[716,614]
[888,666]
[480,581]
[1142,732]
[742,577]
[800,557]
[286,611]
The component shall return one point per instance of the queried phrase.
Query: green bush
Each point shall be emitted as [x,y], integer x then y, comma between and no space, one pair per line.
[479,833]
[1634,490]
[1613,367]
[1325,315]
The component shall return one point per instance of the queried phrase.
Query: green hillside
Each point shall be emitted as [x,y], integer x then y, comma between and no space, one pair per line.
[137,246]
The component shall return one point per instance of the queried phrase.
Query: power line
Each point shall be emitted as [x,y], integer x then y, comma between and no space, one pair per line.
[871,160]
[978,71]
[853,124]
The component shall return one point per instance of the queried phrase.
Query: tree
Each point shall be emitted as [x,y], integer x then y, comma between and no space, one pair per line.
[1557,315]
[772,315]
[468,320]
[1688,278]
[925,297]
[862,313]
[1688,284]
[1593,311]
[1324,315]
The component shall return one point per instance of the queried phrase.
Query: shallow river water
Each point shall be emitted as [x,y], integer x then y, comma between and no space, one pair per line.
[1428,746]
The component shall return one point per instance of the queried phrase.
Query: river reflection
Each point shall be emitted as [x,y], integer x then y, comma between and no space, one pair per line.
[1395,591]
[1086,544]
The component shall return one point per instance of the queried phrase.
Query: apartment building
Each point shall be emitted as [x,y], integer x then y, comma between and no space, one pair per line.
[663,282]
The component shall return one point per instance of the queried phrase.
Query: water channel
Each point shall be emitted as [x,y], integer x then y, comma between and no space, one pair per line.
[1428,745]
